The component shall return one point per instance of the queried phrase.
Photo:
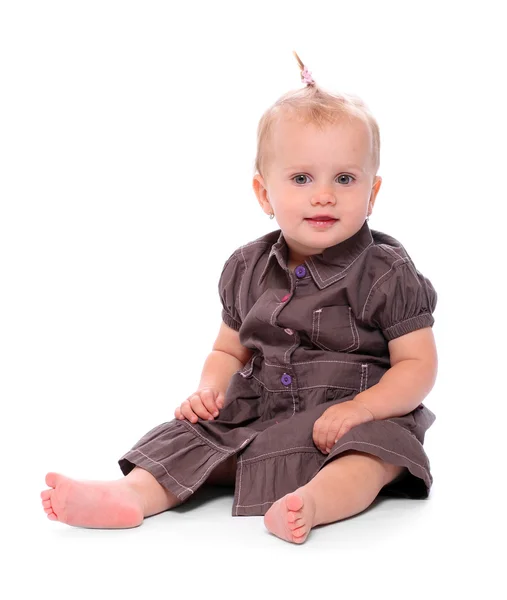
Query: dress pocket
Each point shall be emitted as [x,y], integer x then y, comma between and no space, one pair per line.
[334,328]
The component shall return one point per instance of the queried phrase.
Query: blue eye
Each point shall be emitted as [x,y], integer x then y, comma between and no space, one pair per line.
[339,177]
[298,176]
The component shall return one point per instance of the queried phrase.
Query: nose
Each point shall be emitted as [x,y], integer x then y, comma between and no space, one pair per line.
[323,198]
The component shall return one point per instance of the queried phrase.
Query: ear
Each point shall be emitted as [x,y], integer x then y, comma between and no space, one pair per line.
[261,192]
[374,191]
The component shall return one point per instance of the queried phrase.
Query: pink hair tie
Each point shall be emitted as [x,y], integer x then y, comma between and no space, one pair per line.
[306,77]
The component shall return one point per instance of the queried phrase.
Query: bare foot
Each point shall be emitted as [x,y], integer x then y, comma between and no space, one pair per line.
[291,518]
[105,505]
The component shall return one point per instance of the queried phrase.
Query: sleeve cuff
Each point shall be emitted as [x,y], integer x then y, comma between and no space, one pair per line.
[409,325]
[228,320]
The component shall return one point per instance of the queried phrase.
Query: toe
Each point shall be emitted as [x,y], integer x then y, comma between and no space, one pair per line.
[292,517]
[300,535]
[294,502]
[46,503]
[299,531]
[51,479]
[296,525]
[45,494]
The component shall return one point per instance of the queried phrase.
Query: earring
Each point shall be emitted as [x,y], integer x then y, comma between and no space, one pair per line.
[271,215]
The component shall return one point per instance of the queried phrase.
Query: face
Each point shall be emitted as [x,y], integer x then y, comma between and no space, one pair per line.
[317,172]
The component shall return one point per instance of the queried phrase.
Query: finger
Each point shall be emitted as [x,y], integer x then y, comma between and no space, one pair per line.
[208,399]
[199,408]
[345,427]
[319,434]
[332,435]
[177,413]
[187,412]
[315,433]
[324,432]
[220,400]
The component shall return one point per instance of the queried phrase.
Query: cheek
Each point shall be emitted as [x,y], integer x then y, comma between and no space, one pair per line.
[291,212]
[286,202]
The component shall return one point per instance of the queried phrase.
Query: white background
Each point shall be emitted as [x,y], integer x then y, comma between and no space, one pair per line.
[127,141]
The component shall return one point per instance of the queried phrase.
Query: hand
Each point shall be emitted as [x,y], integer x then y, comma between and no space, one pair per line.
[204,403]
[336,421]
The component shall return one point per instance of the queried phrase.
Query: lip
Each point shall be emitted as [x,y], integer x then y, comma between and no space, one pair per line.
[323,224]
[322,218]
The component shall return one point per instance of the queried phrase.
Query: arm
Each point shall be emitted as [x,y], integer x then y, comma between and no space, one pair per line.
[227,356]
[409,380]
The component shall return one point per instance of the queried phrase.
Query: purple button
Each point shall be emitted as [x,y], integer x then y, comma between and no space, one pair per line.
[286,379]
[300,271]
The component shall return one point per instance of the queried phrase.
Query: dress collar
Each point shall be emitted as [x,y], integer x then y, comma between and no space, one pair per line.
[331,264]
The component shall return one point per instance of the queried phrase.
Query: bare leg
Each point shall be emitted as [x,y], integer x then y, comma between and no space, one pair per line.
[344,487]
[224,474]
[120,503]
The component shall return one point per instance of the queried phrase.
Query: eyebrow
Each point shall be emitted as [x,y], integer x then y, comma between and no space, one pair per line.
[307,168]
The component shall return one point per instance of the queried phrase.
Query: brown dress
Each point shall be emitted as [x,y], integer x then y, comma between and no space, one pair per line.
[319,336]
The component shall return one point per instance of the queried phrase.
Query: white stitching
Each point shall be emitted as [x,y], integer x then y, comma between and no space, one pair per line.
[313,325]
[249,505]
[405,429]
[285,450]
[371,289]
[351,442]
[353,333]
[158,463]
[206,440]
[293,402]
[317,341]
[347,443]
[364,377]
[391,250]
[309,387]
[240,284]
[271,319]
[240,475]
[382,448]
[294,345]
[319,314]
[406,321]
[354,325]
[207,470]
[353,329]
[311,362]
[255,242]
[336,275]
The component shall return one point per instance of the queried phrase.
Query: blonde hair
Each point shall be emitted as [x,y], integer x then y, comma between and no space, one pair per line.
[314,105]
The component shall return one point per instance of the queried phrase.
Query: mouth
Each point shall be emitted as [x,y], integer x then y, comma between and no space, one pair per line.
[321,221]
[321,218]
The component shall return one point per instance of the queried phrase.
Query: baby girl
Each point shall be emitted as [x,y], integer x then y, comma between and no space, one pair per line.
[310,402]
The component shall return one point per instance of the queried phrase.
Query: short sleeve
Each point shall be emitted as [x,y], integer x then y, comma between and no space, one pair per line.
[228,286]
[402,303]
